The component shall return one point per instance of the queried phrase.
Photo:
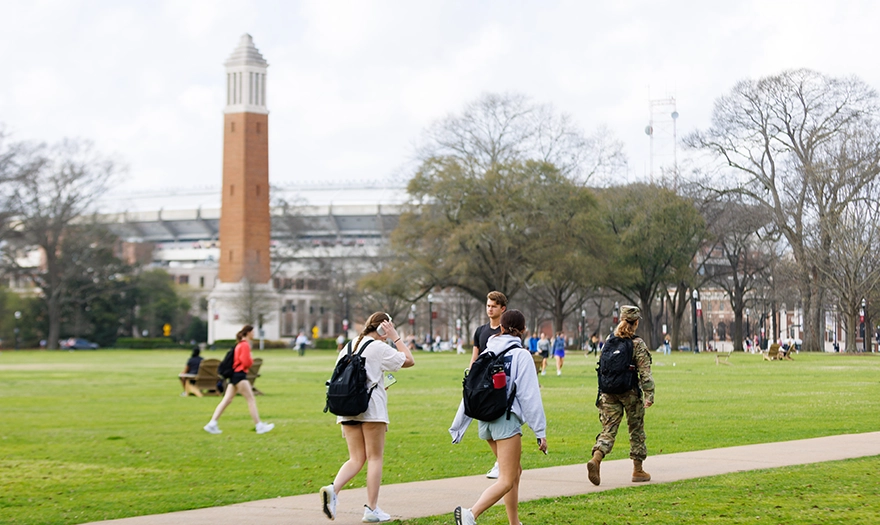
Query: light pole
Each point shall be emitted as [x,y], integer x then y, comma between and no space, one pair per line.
[616,317]
[212,313]
[412,319]
[431,320]
[864,323]
[694,296]
[17,318]
[583,329]
[748,334]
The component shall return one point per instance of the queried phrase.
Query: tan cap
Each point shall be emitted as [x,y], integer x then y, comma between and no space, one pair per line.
[630,313]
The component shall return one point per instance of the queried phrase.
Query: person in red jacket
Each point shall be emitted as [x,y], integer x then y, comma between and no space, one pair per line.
[239,384]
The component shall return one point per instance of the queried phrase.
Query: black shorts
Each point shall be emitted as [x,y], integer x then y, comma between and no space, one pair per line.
[237,377]
[545,354]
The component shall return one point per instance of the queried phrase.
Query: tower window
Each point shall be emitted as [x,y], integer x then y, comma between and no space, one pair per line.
[232,127]
[258,190]
[230,255]
[258,256]
[232,190]
[258,127]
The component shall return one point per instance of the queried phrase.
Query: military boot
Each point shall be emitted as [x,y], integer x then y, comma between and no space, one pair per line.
[593,467]
[638,473]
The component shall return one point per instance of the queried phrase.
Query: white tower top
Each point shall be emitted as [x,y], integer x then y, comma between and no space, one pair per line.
[246,79]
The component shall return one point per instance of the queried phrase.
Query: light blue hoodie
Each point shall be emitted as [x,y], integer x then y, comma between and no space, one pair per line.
[520,369]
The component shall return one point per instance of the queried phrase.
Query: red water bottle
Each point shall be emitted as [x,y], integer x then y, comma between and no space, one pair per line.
[499,380]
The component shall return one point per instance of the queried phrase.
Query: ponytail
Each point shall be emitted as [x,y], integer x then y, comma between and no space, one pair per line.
[371,325]
[246,329]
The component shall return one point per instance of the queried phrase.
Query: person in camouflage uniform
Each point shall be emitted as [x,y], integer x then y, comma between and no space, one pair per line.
[633,403]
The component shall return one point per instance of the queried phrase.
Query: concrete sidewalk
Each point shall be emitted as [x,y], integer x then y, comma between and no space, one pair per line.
[429,498]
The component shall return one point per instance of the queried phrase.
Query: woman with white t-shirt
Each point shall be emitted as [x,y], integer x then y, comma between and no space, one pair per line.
[365,432]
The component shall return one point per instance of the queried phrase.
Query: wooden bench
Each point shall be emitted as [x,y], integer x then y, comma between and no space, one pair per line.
[772,353]
[204,381]
[723,357]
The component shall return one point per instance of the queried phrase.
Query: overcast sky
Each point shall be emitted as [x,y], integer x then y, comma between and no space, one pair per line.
[351,85]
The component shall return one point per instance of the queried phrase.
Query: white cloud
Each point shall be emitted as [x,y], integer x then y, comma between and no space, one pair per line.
[352,83]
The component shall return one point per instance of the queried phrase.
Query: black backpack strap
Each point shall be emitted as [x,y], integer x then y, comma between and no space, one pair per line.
[360,353]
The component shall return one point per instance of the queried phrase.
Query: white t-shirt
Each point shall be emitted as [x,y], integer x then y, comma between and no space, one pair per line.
[380,357]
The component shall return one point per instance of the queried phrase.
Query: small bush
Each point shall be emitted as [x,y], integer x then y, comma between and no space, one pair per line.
[226,344]
[325,343]
[145,343]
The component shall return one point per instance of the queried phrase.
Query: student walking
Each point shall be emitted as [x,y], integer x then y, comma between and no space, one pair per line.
[544,348]
[238,384]
[631,378]
[504,435]
[365,433]
[559,351]
[496,305]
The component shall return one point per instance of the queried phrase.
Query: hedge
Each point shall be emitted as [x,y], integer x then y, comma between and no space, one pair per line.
[145,343]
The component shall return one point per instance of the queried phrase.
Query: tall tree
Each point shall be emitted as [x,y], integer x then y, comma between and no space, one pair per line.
[854,263]
[572,250]
[506,128]
[49,188]
[656,233]
[476,232]
[802,145]
[743,235]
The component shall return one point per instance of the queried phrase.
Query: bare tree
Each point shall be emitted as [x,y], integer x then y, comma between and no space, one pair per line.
[46,189]
[504,128]
[802,145]
[254,303]
[743,234]
[853,268]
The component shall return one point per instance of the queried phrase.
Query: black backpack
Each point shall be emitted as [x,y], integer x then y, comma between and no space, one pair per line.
[225,368]
[617,373]
[482,401]
[347,393]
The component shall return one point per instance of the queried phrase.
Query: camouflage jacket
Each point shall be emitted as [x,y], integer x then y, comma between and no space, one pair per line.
[642,359]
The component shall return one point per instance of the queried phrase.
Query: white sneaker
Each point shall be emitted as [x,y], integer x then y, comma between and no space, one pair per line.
[559,372]
[493,472]
[464,516]
[375,515]
[212,428]
[328,499]
[543,372]
[262,428]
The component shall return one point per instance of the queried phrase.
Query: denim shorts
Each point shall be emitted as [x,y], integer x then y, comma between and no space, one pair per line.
[501,428]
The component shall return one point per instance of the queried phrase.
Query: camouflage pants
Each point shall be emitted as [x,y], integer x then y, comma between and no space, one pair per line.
[611,408]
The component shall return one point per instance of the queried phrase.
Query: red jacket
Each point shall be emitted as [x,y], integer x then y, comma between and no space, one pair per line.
[243,359]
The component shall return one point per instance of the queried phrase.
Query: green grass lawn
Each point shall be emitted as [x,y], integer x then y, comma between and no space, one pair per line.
[87,436]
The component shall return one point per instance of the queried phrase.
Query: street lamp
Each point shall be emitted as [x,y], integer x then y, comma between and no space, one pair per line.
[747,324]
[412,318]
[694,296]
[864,324]
[17,318]
[583,329]
[431,320]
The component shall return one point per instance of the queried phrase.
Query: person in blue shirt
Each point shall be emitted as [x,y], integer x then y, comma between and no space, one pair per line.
[559,351]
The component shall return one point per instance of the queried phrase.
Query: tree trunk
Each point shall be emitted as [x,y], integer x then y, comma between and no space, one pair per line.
[851,318]
[738,327]
[647,322]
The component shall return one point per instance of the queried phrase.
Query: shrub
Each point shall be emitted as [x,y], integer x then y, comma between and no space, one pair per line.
[145,343]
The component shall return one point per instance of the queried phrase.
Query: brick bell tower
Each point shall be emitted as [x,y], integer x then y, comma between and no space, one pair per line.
[245,222]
